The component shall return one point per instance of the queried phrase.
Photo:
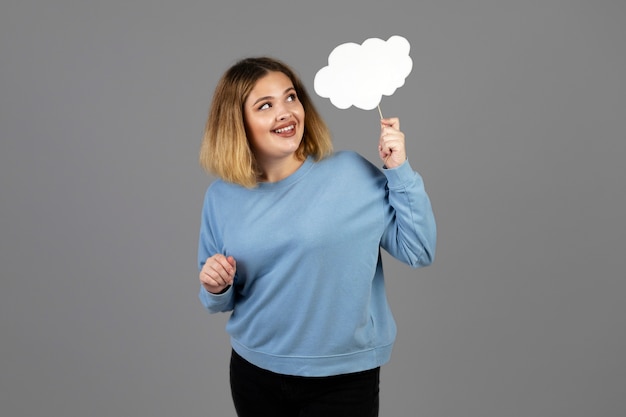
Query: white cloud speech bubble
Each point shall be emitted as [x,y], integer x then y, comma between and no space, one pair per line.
[359,75]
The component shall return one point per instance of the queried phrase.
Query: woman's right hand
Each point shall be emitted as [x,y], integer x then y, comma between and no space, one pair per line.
[218,273]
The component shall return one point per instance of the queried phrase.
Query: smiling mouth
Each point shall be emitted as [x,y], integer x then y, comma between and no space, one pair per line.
[285,129]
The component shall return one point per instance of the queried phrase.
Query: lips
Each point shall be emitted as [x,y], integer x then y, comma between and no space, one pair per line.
[286,130]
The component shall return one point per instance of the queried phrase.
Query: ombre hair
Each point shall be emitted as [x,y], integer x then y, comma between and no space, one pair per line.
[225,150]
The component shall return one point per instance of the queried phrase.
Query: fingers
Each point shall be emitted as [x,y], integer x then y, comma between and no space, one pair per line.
[218,272]
[391,146]
[390,133]
[393,122]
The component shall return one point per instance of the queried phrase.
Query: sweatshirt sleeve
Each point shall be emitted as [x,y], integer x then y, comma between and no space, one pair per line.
[208,245]
[410,233]
[216,303]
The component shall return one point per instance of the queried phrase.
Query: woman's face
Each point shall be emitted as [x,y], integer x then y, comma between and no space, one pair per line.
[274,118]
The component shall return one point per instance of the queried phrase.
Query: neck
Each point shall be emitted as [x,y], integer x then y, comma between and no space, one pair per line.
[276,170]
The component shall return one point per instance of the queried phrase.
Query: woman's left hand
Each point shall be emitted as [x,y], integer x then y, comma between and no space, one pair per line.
[391,144]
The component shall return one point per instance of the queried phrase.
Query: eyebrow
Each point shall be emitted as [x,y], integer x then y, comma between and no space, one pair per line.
[271,97]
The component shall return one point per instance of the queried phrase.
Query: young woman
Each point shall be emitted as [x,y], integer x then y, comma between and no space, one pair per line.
[290,244]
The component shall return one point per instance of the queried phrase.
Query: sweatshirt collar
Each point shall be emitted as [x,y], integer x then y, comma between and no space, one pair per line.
[291,179]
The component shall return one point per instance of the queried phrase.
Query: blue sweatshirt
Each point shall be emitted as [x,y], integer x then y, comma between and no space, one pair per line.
[308,297]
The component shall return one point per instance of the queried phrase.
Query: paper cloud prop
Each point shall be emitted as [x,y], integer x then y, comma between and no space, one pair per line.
[359,75]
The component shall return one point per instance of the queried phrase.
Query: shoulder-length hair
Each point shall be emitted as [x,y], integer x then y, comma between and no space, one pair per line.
[225,150]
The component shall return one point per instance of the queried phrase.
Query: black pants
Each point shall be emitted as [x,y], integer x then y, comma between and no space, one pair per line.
[258,392]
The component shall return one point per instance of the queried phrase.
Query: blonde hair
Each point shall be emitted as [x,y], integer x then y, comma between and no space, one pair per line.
[225,150]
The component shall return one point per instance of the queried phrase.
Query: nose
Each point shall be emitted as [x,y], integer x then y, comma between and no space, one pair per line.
[282,113]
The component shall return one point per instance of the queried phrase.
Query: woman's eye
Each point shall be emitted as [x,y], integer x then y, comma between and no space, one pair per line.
[265,106]
[292,97]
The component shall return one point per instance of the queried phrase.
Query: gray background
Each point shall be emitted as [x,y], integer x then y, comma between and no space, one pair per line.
[514,114]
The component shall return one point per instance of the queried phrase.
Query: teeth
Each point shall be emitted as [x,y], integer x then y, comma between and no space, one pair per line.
[284,129]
